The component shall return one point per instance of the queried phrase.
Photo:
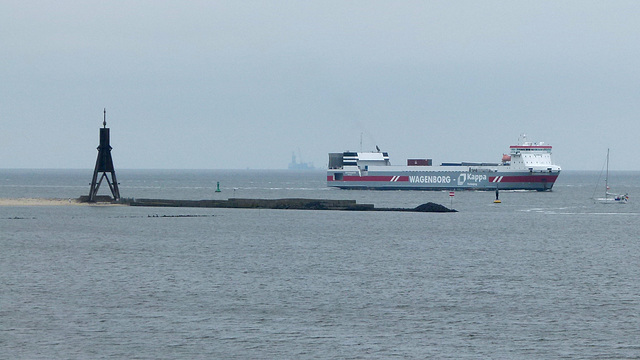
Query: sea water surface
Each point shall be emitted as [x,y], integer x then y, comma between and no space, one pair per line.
[543,275]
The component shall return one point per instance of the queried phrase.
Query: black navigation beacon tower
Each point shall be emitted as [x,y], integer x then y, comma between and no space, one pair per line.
[104,165]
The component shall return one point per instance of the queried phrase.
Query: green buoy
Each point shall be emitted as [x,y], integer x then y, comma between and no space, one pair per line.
[218,189]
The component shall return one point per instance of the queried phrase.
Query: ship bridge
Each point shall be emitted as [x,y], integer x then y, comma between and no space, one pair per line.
[532,156]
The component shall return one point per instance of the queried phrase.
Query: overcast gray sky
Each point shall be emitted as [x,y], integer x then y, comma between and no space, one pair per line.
[243,84]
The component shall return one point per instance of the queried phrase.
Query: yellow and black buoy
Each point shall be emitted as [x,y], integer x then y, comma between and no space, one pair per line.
[497,201]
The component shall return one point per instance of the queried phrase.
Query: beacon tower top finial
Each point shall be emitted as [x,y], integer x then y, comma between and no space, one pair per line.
[104,123]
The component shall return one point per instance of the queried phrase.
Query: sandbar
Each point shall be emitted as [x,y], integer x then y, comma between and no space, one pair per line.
[46,202]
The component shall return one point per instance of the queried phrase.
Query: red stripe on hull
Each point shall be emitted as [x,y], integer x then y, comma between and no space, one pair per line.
[368,178]
[371,178]
[530,178]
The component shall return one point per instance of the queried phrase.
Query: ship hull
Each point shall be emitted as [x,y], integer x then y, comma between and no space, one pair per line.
[444,179]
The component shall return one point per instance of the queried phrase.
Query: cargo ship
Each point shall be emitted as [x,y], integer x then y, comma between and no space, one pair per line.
[528,166]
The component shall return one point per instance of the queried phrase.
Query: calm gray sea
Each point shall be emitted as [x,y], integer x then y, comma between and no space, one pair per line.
[541,276]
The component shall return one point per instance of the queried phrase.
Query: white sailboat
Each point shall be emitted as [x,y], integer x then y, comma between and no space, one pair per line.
[610,198]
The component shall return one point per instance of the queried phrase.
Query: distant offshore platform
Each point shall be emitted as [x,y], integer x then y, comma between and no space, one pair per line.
[294,165]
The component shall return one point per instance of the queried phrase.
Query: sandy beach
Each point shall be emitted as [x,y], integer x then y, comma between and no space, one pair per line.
[47,202]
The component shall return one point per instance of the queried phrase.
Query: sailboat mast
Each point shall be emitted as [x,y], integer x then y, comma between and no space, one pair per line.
[606,179]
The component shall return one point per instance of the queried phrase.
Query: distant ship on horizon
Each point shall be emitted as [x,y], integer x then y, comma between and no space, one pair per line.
[294,165]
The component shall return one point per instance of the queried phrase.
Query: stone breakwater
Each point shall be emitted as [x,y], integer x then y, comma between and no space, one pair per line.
[290,204]
[237,203]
